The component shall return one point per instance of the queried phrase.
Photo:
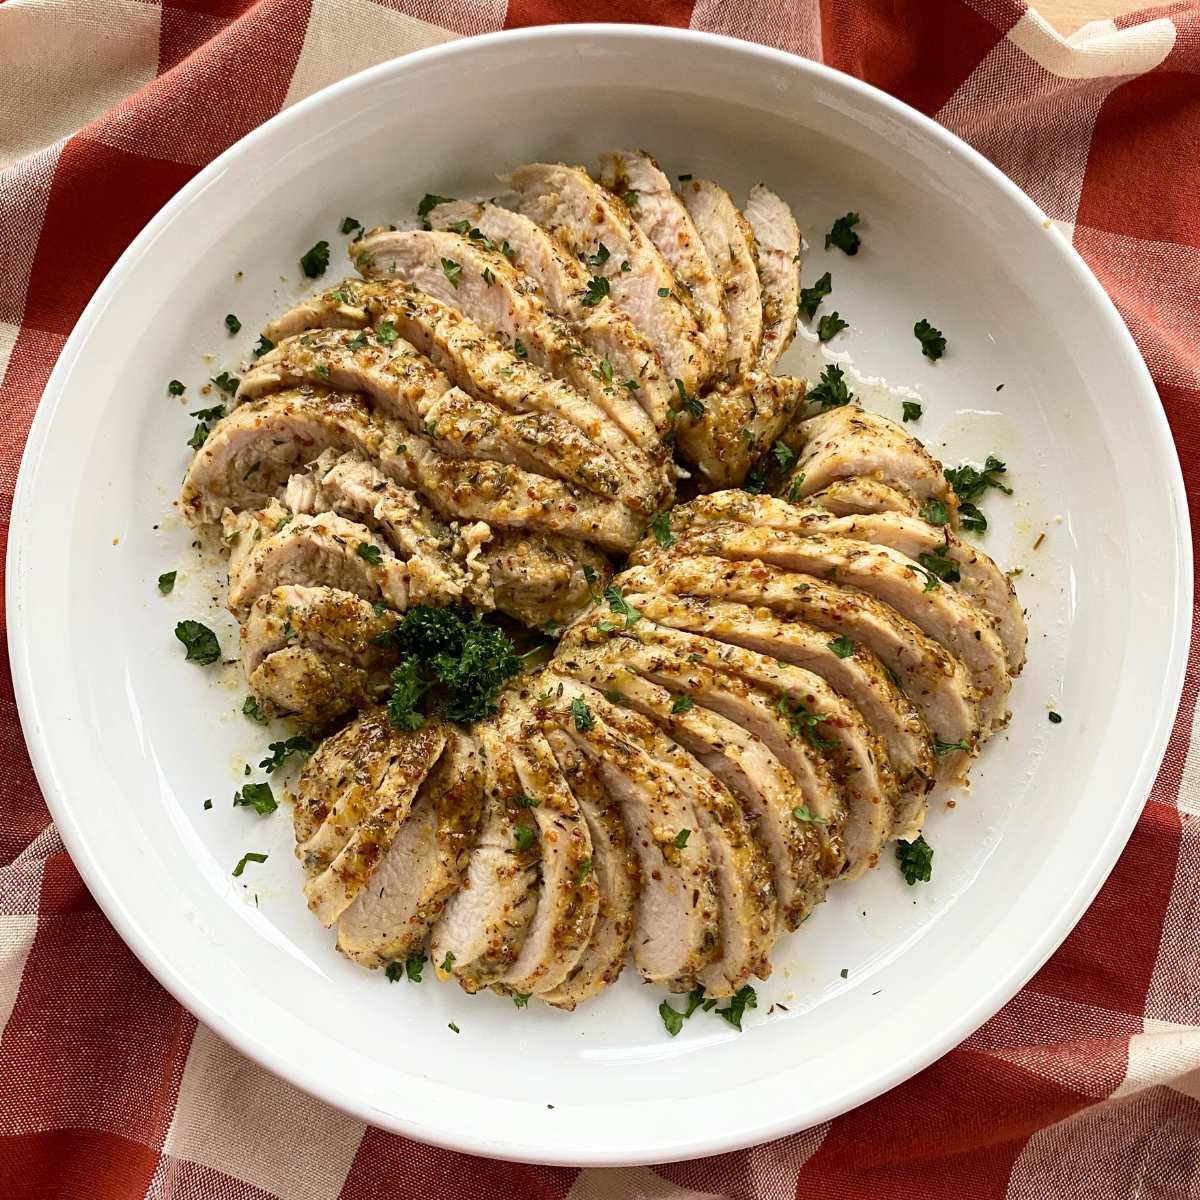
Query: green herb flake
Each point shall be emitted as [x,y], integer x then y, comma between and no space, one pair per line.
[938,566]
[912,410]
[175,387]
[453,1028]
[385,333]
[941,749]
[407,690]
[681,839]
[783,454]
[842,646]
[257,796]
[227,383]
[971,519]
[600,257]
[597,290]
[429,202]
[660,527]
[664,292]
[207,805]
[618,604]
[830,325]
[1055,718]
[810,298]
[933,345]
[745,998]
[488,277]
[831,390]
[349,225]
[585,869]
[249,857]
[690,404]
[200,641]
[315,261]
[452,270]
[682,704]
[525,837]
[672,1018]
[282,751]
[916,860]
[447,962]
[842,234]
[969,483]
[369,553]
[631,198]
[166,582]
[802,723]
[582,715]
[251,709]
[805,817]
[262,346]
[521,999]
[232,324]
[796,490]
[520,349]
[935,512]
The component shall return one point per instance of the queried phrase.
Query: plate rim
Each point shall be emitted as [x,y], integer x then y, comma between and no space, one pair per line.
[159,961]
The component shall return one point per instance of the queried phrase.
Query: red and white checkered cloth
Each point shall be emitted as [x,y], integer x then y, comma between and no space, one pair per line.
[1086,1085]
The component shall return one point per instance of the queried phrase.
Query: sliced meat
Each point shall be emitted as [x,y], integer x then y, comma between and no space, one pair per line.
[766,790]
[982,582]
[266,552]
[678,931]
[541,579]
[504,495]
[489,370]
[486,289]
[250,454]
[933,679]
[911,588]
[738,421]
[390,918]
[484,924]
[332,661]
[777,249]
[846,497]
[847,442]
[663,218]
[374,772]
[730,244]
[584,216]
[568,895]
[564,281]
[615,870]
[859,677]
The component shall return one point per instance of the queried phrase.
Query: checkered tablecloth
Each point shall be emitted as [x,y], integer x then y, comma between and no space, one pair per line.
[1086,1085]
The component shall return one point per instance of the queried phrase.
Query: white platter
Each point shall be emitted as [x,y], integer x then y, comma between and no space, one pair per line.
[128,740]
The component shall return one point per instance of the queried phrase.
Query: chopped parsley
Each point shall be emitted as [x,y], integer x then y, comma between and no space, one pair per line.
[488,277]
[795,492]
[631,198]
[358,341]
[521,999]
[969,483]
[463,226]
[315,261]
[831,391]
[282,751]
[249,857]
[690,404]
[582,715]
[1055,718]
[520,349]
[251,709]
[830,325]
[912,410]
[175,387]
[453,1028]
[733,1012]
[971,518]
[784,455]
[200,641]
[600,257]
[597,289]
[618,604]
[370,553]
[933,345]
[385,333]
[941,749]
[842,646]
[257,796]
[232,324]
[934,511]
[661,528]
[525,836]
[672,1018]
[604,371]
[452,271]
[523,801]
[226,382]
[206,418]
[207,805]
[407,690]
[842,234]
[938,568]
[349,225]
[803,815]
[262,346]
[916,860]
[682,704]
[166,582]
[585,869]
[429,202]
[810,298]
[681,839]
[802,723]
[447,962]
[664,292]
[589,574]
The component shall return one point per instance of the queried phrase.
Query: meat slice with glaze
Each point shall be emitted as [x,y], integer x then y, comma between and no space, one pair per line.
[777,253]
[584,216]
[665,220]
[425,864]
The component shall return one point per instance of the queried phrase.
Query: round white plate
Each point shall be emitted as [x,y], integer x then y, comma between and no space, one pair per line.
[129,740]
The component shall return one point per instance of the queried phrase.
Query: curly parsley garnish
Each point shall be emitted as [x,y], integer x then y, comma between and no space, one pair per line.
[661,528]
[597,289]
[842,234]
[912,410]
[831,391]
[199,641]
[257,796]
[582,715]
[830,325]
[232,324]
[933,345]
[811,297]
[916,860]
[315,261]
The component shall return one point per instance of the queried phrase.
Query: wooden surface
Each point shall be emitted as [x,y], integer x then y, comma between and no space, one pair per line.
[1067,15]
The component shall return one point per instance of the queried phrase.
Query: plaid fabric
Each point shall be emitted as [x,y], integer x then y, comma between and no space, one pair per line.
[1086,1085]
